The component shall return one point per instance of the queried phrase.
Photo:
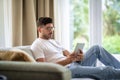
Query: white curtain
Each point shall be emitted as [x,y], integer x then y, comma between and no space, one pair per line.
[62,24]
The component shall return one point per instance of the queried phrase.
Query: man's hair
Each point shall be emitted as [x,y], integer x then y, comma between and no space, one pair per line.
[43,21]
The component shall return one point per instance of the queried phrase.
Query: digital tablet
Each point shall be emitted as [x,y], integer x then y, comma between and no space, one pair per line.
[79,46]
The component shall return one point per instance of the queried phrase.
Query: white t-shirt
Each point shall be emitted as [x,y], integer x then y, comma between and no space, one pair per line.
[51,50]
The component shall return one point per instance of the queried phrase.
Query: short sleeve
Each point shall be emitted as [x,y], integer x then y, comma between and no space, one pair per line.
[37,51]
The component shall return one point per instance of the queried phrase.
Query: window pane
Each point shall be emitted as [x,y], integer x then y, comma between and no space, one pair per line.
[111,25]
[80,21]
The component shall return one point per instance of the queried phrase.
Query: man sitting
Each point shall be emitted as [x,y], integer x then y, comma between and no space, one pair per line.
[46,49]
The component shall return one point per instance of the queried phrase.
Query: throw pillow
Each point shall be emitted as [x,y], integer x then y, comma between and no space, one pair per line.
[15,55]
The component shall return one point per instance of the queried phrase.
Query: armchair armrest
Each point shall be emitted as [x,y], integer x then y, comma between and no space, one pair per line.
[33,71]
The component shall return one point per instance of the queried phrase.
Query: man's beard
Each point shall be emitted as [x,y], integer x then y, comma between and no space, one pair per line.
[49,36]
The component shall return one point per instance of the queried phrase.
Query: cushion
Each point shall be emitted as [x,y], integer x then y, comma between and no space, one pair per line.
[26,49]
[15,55]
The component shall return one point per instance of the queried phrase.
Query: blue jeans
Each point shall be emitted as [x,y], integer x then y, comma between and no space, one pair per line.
[87,69]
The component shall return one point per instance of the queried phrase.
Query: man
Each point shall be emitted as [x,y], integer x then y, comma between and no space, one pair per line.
[46,49]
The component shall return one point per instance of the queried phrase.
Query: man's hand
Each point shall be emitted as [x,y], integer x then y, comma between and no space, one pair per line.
[76,56]
[79,55]
[71,57]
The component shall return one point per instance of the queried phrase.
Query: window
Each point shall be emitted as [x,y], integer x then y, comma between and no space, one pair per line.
[79,14]
[90,21]
[111,25]
[78,21]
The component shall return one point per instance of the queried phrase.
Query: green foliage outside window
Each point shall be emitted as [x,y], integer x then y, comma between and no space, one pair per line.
[111,26]
[112,44]
[80,18]
[111,23]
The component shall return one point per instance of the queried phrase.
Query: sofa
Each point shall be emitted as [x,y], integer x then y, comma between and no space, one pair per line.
[17,70]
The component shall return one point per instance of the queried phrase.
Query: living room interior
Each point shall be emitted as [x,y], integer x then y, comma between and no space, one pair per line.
[93,22]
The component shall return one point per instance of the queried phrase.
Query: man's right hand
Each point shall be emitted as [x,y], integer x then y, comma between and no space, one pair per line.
[76,56]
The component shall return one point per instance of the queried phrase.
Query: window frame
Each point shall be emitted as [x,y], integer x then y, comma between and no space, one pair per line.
[95,19]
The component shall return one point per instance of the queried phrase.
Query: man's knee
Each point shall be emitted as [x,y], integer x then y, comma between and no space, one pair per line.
[95,46]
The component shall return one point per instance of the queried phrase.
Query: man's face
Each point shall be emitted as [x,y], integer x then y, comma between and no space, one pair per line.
[47,31]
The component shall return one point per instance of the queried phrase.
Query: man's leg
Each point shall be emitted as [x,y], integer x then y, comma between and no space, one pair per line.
[97,52]
[102,73]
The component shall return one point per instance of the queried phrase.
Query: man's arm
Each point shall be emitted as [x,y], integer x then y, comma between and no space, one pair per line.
[65,61]
[62,62]
[40,60]
[66,53]
[70,57]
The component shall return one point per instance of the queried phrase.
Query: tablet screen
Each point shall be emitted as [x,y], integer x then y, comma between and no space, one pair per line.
[79,46]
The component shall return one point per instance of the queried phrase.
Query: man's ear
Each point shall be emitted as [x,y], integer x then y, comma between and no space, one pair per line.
[39,29]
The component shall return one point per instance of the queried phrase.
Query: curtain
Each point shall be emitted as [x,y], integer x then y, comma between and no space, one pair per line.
[24,16]
[44,8]
[23,22]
